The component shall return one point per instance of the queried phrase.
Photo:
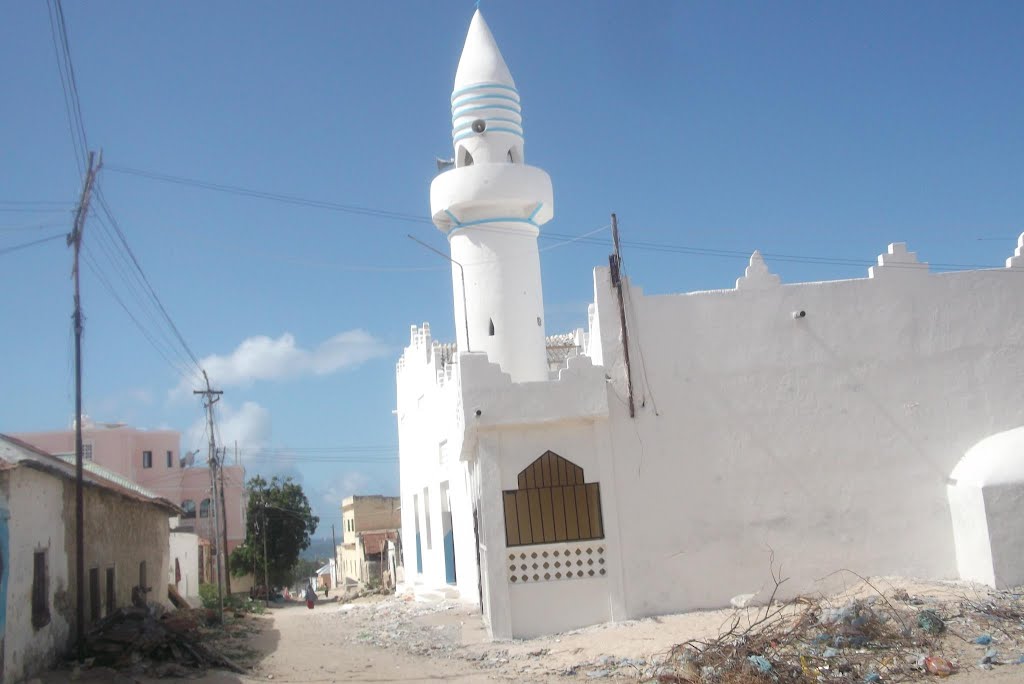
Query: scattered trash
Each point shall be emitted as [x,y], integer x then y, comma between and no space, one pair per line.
[983,640]
[930,622]
[830,652]
[937,665]
[990,657]
[761,663]
[872,677]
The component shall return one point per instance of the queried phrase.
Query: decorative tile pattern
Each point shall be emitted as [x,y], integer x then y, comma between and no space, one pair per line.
[556,562]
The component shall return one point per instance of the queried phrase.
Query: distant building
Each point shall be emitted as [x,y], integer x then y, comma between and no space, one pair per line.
[37,553]
[154,460]
[367,522]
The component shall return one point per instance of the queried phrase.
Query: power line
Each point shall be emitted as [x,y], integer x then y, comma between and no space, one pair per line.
[69,85]
[145,279]
[272,196]
[134,286]
[25,245]
[585,239]
[91,263]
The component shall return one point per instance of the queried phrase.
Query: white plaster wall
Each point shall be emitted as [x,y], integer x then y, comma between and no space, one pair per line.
[36,523]
[1004,505]
[551,607]
[428,415]
[184,546]
[970,534]
[501,264]
[825,439]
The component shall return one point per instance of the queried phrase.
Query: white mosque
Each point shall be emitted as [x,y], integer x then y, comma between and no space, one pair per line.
[665,457]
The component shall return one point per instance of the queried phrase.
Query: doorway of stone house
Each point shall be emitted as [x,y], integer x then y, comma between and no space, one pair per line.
[449,538]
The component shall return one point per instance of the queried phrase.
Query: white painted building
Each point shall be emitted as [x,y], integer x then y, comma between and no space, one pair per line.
[816,425]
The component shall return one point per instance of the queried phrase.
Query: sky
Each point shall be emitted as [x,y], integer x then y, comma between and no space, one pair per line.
[815,132]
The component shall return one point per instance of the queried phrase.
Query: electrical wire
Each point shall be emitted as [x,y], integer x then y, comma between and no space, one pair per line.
[69,85]
[148,286]
[26,245]
[585,239]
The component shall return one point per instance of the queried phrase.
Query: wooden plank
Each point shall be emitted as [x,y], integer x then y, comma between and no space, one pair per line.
[558,506]
[583,511]
[558,472]
[536,522]
[547,515]
[572,526]
[523,511]
[511,520]
[545,470]
[596,519]
[522,479]
[530,481]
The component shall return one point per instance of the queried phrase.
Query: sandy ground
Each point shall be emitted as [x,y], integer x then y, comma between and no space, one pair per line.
[396,639]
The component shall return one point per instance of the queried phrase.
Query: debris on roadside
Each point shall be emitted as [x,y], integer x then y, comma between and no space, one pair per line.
[141,639]
[869,640]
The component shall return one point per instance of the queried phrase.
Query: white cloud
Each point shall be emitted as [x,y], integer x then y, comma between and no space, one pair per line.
[248,425]
[265,358]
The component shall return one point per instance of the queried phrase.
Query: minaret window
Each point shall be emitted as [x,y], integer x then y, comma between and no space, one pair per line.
[464,158]
[490,327]
[510,160]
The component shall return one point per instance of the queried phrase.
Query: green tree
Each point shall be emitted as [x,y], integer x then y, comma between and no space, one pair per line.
[278,519]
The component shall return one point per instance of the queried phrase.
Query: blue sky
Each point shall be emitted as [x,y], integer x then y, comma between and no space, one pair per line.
[814,129]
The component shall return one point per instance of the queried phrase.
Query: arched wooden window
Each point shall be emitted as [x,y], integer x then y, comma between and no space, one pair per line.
[204,508]
[552,504]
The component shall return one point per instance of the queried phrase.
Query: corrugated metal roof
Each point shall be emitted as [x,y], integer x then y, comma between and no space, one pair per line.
[107,474]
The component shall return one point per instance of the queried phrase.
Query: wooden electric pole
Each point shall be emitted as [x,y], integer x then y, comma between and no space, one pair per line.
[75,241]
[211,397]
[615,266]
[224,520]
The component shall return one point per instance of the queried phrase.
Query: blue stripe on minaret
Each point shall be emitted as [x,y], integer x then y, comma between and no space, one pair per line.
[474,98]
[463,136]
[488,119]
[484,86]
[475,108]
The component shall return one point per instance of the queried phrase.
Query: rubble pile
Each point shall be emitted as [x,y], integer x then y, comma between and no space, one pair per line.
[866,640]
[392,624]
[142,639]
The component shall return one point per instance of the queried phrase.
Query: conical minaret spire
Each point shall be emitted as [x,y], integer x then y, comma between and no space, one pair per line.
[491,205]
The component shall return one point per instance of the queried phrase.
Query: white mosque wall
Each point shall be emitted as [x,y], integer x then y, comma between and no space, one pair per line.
[432,473]
[819,441]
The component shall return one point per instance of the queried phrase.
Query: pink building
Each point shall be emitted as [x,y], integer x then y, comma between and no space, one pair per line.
[153,459]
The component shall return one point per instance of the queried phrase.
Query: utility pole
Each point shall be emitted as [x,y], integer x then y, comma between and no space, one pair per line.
[224,520]
[266,532]
[615,266]
[75,240]
[334,557]
[211,397]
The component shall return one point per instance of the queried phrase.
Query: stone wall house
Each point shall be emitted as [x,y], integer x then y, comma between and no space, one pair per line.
[37,550]
[153,459]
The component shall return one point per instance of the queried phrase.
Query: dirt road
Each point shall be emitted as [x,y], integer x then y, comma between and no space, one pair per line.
[395,639]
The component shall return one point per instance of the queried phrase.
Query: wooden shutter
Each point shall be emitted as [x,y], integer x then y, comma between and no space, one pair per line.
[552,504]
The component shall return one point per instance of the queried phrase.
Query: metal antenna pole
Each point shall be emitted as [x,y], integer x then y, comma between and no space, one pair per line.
[462,278]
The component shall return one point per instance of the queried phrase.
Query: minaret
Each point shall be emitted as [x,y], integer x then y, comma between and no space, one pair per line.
[491,206]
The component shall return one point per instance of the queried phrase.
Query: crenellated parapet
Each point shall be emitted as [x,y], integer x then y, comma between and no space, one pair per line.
[1017,260]
[898,261]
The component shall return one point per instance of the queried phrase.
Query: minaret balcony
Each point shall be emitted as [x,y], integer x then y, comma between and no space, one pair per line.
[491,193]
